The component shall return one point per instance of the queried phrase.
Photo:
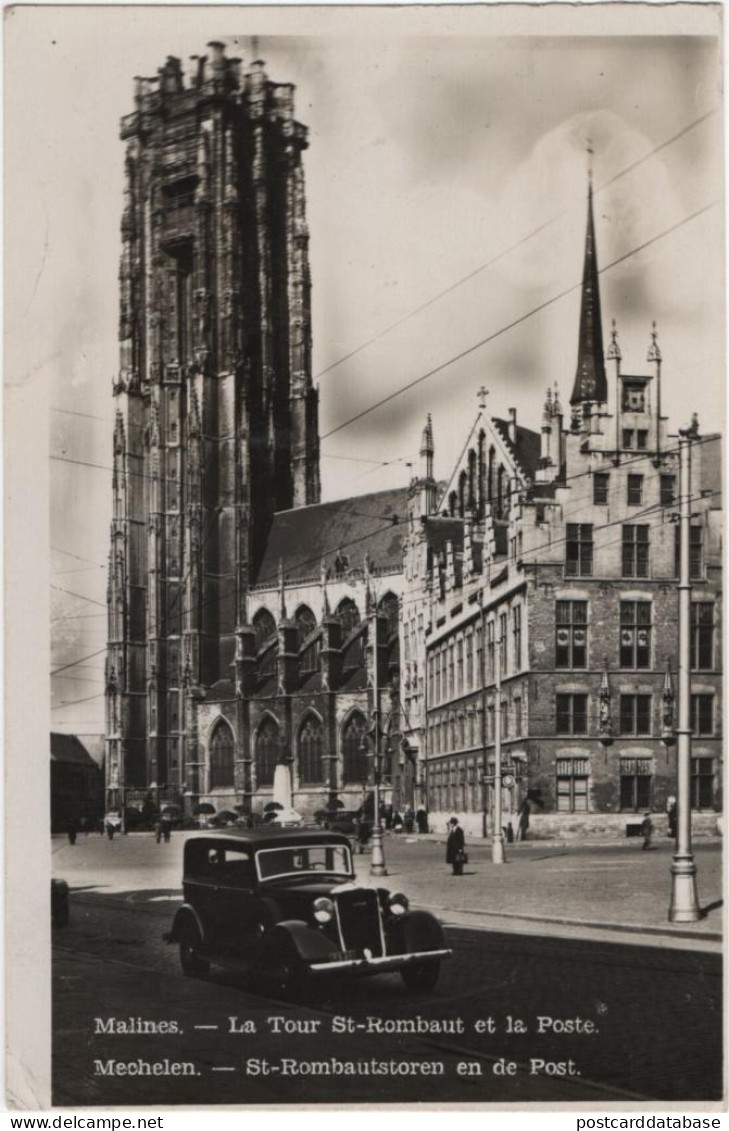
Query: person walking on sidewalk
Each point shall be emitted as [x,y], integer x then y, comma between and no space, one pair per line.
[647,829]
[456,847]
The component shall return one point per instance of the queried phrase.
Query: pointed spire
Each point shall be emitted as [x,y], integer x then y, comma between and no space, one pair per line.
[556,404]
[590,381]
[548,409]
[426,442]
[654,350]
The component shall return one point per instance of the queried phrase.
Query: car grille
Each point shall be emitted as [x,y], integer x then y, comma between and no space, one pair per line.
[359,918]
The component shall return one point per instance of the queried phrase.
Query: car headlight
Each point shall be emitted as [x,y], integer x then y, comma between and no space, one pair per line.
[323,910]
[399,903]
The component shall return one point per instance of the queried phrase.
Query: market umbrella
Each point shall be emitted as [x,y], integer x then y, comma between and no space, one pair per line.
[202,808]
[224,817]
[173,810]
[272,806]
[335,803]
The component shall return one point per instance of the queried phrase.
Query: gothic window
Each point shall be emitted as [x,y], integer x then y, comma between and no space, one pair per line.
[222,770]
[348,616]
[481,474]
[354,754]
[389,607]
[264,627]
[471,499]
[462,493]
[310,745]
[500,492]
[492,457]
[453,504]
[266,752]
[305,622]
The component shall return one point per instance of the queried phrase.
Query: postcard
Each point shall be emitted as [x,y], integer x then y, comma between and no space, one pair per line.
[364,424]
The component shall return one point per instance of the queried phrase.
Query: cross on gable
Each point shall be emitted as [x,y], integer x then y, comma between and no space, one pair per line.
[482,394]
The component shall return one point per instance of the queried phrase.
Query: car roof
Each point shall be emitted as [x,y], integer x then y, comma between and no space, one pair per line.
[269,838]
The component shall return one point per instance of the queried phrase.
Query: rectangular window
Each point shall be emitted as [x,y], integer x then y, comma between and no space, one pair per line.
[490,669]
[668,490]
[504,719]
[635,714]
[469,660]
[635,634]
[600,488]
[635,490]
[459,667]
[572,781]
[702,635]
[702,783]
[633,396]
[636,549]
[702,715]
[642,439]
[518,722]
[571,714]
[503,643]
[696,553]
[628,438]
[579,549]
[571,634]
[635,784]
[516,630]
[479,654]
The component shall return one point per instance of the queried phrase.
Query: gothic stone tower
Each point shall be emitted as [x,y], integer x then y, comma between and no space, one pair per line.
[216,424]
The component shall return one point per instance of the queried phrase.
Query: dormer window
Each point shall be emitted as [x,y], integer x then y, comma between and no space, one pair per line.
[633,396]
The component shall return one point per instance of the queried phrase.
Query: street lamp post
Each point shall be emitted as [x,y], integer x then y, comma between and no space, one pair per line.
[497,840]
[684,907]
[377,863]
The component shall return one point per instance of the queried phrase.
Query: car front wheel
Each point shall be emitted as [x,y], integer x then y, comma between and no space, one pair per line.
[193,966]
[421,975]
[283,973]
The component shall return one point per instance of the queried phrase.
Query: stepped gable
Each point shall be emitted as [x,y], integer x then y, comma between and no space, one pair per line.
[526,450]
[374,524]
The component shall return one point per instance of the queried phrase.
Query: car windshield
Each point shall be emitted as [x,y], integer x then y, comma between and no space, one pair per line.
[298,860]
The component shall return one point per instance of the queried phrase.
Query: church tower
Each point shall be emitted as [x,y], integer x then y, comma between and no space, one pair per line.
[217,418]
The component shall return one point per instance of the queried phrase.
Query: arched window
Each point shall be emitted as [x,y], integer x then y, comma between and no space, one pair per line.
[453,504]
[481,474]
[389,607]
[462,493]
[266,752]
[222,768]
[310,752]
[492,457]
[355,761]
[500,492]
[348,616]
[264,627]
[471,501]
[305,622]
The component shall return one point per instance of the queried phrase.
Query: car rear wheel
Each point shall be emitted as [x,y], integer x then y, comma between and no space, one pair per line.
[193,966]
[421,975]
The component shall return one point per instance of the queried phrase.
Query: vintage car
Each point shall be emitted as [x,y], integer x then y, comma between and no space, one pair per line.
[284,906]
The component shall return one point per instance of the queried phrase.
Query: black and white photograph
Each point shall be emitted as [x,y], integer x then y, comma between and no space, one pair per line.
[364,414]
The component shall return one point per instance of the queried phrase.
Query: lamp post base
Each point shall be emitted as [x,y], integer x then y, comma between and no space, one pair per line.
[497,849]
[377,866]
[684,900]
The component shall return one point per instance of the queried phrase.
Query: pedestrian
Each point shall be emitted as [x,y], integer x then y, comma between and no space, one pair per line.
[396,822]
[166,827]
[524,812]
[455,848]
[72,831]
[83,826]
[421,820]
[158,830]
[647,830]
[672,812]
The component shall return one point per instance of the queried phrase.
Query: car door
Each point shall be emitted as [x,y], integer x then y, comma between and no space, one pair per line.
[236,915]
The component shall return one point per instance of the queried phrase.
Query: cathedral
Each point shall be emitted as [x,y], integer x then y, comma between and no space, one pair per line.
[258,636]
[250,625]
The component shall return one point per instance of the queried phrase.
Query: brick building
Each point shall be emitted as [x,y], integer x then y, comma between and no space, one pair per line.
[561,547]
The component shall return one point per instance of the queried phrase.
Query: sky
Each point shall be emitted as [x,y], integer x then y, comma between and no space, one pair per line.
[437,148]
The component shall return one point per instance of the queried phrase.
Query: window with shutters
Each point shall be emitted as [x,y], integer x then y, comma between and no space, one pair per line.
[635,784]
[571,634]
[572,785]
[635,634]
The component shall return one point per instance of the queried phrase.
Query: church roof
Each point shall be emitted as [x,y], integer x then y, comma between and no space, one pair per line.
[590,379]
[68,748]
[374,524]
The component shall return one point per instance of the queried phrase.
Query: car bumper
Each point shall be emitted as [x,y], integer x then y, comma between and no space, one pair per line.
[379,965]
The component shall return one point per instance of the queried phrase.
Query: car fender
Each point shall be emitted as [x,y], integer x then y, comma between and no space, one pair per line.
[415,930]
[310,943]
[183,916]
